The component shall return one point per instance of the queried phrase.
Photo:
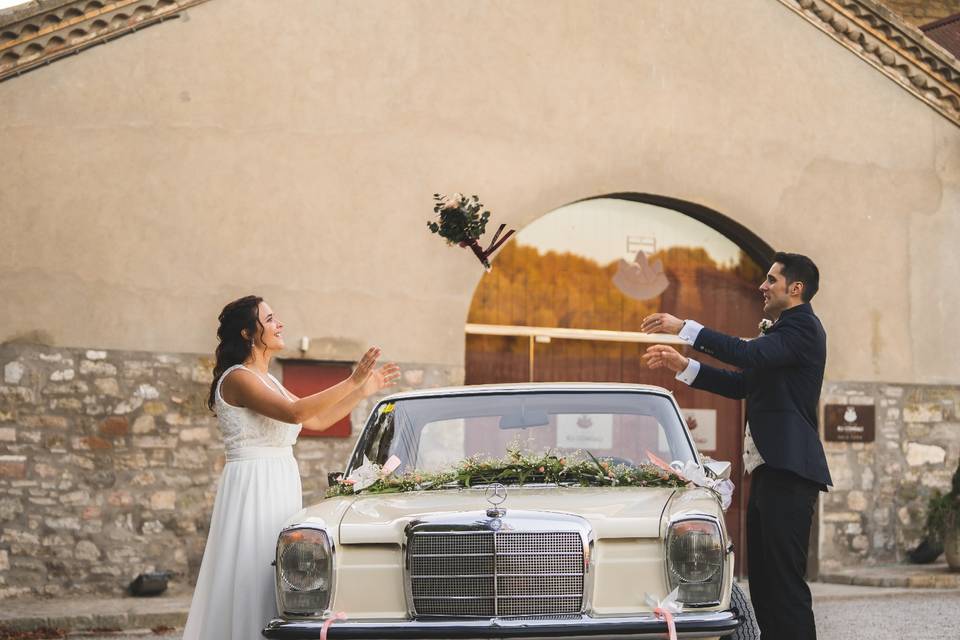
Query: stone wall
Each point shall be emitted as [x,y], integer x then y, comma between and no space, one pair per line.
[921,12]
[877,510]
[109,462]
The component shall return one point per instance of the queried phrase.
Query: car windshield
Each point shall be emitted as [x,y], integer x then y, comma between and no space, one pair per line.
[433,434]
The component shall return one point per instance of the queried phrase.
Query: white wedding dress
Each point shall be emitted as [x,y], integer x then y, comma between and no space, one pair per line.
[259,489]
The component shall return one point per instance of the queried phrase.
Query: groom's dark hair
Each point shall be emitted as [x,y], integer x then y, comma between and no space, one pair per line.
[799,268]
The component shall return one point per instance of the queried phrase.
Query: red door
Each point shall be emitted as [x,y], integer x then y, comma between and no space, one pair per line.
[304,378]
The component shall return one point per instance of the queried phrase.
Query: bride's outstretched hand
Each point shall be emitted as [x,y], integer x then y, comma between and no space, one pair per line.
[385,376]
[365,366]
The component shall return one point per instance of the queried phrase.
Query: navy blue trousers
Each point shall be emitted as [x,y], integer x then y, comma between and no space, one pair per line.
[779,517]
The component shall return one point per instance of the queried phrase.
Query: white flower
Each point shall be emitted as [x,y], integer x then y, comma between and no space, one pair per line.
[368,473]
[723,488]
[365,475]
[670,603]
[764,326]
[452,201]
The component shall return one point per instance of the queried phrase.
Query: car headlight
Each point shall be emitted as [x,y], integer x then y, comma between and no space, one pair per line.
[304,571]
[695,560]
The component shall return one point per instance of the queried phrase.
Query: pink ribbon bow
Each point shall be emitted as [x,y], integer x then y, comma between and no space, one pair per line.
[339,615]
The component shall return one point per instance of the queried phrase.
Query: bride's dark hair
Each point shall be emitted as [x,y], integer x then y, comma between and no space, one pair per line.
[234,348]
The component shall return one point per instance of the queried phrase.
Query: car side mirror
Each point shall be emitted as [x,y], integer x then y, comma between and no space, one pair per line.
[718,469]
[332,477]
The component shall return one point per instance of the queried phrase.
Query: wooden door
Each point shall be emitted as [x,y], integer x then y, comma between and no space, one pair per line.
[530,289]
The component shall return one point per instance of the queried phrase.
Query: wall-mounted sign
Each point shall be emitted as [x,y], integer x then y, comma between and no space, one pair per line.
[849,423]
[585,431]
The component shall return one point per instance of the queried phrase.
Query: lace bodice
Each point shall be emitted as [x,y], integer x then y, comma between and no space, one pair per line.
[241,427]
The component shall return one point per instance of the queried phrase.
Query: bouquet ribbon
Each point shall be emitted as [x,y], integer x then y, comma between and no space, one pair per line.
[339,615]
[495,243]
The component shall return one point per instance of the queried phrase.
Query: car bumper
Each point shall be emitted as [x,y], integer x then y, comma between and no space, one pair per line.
[689,625]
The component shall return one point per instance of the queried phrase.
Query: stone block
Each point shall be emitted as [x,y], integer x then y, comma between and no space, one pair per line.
[91,513]
[190,458]
[13,372]
[91,443]
[13,467]
[87,551]
[856,501]
[144,424]
[65,404]
[903,514]
[147,392]
[119,499]
[921,454]
[4,560]
[62,375]
[107,386]
[76,498]
[97,368]
[154,408]
[152,527]
[163,500]
[923,412]
[198,434]
[114,427]
[128,406]
[81,461]
[155,442]
[144,479]
[69,523]
[8,434]
[96,355]
[841,516]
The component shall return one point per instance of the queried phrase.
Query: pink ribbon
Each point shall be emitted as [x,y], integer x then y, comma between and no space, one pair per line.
[339,615]
[664,614]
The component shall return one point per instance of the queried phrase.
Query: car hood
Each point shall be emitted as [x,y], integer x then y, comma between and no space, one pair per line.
[621,512]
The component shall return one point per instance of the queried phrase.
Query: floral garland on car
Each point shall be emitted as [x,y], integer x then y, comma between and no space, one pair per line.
[515,468]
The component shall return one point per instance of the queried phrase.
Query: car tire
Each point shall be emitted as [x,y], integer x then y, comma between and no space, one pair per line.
[740,603]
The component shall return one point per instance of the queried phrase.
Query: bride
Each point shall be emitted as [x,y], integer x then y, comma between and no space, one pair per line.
[260,485]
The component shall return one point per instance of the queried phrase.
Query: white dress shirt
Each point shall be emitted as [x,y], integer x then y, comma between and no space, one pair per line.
[688,333]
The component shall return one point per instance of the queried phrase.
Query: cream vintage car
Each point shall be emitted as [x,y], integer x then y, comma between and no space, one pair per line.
[514,511]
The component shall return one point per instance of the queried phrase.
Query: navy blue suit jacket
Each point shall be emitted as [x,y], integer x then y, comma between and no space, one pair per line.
[781,376]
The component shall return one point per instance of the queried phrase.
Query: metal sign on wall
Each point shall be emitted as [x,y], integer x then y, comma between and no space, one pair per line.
[849,423]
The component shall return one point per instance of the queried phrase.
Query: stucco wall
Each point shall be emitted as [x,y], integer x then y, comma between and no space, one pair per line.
[292,151]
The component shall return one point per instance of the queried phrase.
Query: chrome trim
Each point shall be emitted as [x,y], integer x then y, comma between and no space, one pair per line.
[516,521]
[725,545]
[524,387]
[701,624]
[333,571]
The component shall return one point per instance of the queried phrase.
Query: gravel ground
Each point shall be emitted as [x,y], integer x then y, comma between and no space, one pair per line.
[930,616]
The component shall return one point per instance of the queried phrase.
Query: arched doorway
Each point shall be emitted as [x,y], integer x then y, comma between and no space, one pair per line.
[566,297]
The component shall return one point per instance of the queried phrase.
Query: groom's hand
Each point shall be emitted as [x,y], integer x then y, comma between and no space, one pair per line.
[661,323]
[660,356]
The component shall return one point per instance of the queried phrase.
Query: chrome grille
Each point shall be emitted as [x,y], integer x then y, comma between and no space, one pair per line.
[489,574]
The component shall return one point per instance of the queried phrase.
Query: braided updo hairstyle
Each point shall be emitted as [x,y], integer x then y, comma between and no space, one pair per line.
[234,348]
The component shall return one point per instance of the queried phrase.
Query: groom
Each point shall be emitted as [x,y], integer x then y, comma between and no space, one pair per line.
[780,375]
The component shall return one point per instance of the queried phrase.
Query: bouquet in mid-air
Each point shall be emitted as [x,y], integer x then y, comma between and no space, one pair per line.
[461,221]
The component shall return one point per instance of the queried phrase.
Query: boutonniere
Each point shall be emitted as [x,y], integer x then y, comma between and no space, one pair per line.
[764,326]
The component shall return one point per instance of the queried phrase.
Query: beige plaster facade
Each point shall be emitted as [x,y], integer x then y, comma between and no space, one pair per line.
[292,148]
[238,148]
